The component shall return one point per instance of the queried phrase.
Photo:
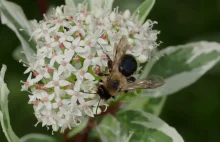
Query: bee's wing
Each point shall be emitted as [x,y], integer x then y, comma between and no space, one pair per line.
[119,50]
[149,83]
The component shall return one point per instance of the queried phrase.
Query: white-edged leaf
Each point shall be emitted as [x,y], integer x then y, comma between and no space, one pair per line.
[183,65]
[78,129]
[146,127]
[143,10]
[13,16]
[17,14]
[70,3]
[94,4]
[37,138]
[18,54]
[4,114]
[110,130]
[152,105]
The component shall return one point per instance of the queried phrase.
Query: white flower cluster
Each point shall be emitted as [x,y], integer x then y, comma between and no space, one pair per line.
[71,49]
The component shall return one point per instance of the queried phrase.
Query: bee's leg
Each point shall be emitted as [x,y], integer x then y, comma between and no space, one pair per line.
[102,74]
[109,63]
[131,79]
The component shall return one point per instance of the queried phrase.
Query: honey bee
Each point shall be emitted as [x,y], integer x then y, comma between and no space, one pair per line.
[120,77]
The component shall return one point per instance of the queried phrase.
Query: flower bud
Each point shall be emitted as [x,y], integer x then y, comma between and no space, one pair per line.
[127,14]
[113,17]
[142,58]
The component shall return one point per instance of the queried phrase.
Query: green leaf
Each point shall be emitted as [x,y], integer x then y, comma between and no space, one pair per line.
[4,114]
[13,16]
[110,130]
[37,138]
[147,127]
[183,65]
[143,10]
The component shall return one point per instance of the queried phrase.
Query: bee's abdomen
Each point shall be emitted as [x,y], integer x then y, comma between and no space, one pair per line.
[128,65]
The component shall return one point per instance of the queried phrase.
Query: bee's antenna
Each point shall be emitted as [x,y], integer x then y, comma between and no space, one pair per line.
[98,106]
[88,92]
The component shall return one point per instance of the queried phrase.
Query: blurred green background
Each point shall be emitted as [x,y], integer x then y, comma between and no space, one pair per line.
[194,111]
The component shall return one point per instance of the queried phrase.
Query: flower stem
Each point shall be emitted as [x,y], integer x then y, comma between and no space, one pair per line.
[65,138]
[43,6]
[83,136]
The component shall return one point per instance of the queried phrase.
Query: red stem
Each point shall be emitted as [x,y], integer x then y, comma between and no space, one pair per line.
[43,6]
[65,138]
[83,136]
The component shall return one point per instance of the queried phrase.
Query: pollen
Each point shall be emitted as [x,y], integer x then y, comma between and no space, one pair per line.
[27,84]
[45,99]
[35,73]
[56,83]
[38,86]
[76,59]
[64,63]
[97,69]
[50,70]
[61,46]
[59,104]
[56,38]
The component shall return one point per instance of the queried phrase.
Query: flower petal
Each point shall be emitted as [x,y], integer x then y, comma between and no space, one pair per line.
[80,50]
[49,84]
[64,83]
[61,69]
[86,64]
[69,92]
[67,44]
[57,90]
[88,111]
[55,76]
[68,55]
[70,68]
[89,76]
[77,112]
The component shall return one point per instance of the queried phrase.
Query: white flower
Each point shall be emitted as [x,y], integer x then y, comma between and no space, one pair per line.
[87,108]
[47,50]
[28,83]
[76,94]
[72,48]
[88,85]
[46,99]
[41,73]
[47,118]
[82,74]
[57,56]
[57,83]
[64,62]
[101,60]
[32,67]
[61,104]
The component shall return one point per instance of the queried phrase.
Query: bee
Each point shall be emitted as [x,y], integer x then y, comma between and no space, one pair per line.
[120,77]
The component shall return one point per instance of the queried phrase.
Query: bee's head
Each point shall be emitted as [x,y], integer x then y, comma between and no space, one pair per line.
[114,84]
[103,92]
